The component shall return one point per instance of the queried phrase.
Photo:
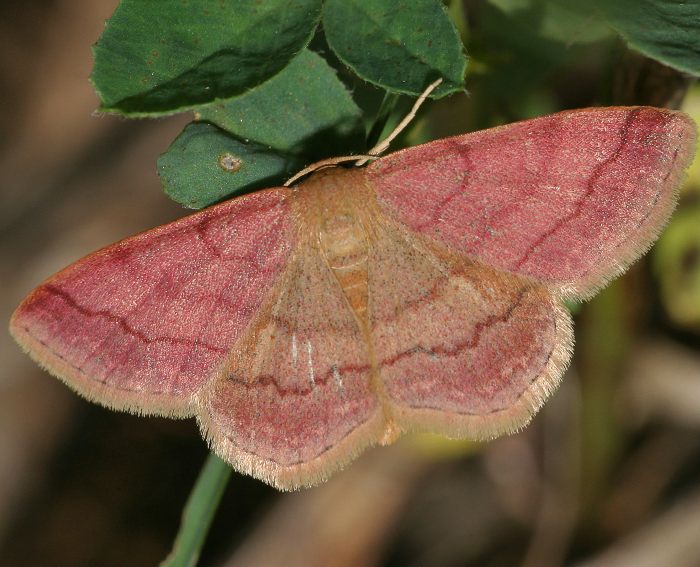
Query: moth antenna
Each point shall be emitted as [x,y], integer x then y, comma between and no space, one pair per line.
[376,150]
[325,163]
[384,144]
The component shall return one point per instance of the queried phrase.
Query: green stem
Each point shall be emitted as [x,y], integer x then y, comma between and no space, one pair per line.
[603,338]
[199,513]
[382,118]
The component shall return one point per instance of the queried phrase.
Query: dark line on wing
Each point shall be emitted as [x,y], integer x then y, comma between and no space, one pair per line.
[589,191]
[264,380]
[641,221]
[464,345]
[525,390]
[330,446]
[455,192]
[124,325]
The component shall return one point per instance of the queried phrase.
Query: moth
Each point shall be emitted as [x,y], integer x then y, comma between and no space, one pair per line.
[423,291]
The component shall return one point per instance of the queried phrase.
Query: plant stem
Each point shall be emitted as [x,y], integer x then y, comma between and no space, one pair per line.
[382,118]
[199,513]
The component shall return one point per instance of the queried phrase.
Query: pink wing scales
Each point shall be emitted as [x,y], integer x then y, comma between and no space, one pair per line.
[569,199]
[462,349]
[484,378]
[294,402]
[141,325]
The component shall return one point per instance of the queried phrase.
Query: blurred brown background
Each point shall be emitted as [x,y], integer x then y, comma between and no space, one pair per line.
[608,474]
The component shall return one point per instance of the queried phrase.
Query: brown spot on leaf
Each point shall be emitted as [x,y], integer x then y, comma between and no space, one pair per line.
[229,162]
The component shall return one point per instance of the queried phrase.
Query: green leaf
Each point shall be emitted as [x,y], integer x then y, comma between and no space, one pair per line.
[567,21]
[665,30]
[204,165]
[399,45]
[305,108]
[515,62]
[167,56]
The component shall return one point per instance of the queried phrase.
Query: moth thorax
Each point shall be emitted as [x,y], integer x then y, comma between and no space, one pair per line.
[343,241]
[345,247]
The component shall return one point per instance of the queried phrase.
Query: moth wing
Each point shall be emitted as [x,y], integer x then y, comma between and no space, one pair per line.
[462,349]
[295,401]
[141,324]
[569,200]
